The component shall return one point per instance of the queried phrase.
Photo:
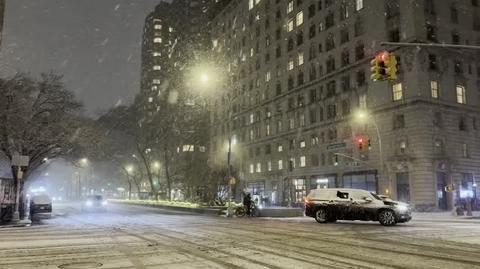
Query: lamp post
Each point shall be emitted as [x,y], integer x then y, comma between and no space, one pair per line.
[363,116]
[129,169]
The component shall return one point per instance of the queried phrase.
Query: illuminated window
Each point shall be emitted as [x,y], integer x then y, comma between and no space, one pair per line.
[252,167]
[299,18]
[157,67]
[302,161]
[290,65]
[397,92]
[251,118]
[434,89]
[300,58]
[250,4]
[150,99]
[280,164]
[188,148]
[158,27]
[461,97]
[259,168]
[358,5]
[170,29]
[157,40]
[157,54]
[302,144]
[289,7]
[268,76]
[156,81]
[290,25]
[269,166]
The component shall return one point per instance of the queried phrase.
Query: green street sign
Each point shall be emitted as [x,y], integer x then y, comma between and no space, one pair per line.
[336,146]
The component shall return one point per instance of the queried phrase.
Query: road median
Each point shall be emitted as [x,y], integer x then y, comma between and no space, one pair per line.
[175,206]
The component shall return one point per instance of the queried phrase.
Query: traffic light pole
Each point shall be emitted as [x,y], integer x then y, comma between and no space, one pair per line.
[430,45]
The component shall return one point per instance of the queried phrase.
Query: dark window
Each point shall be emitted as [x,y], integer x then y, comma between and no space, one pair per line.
[398,121]
[345,83]
[475,3]
[299,38]
[329,20]
[278,51]
[268,149]
[278,33]
[394,35]
[360,78]
[431,33]
[300,79]
[429,7]
[330,44]
[312,31]
[278,15]
[313,73]
[345,107]
[279,89]
[358,27]
[455,38]
[345,58]
[330,64]
[312,53]
[359,51]
[313,95]
[319,4]
[311,10]
[458,67]
[331,88]
[314,160]
[290,44]
[432,61]
[331,113]
[291,103]
[344,35]
[454,14]
[462,125]
[290,83]
[392,8]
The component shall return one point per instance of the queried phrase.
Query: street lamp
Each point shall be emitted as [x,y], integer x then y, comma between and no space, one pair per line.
[364,116]
[129,169]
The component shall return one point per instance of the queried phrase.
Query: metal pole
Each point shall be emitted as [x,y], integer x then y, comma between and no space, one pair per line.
[16,213]
[381,154]
[229,176]
[430,45]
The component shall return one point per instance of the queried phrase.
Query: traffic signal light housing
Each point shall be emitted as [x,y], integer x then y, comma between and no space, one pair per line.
[384,66]
[360,142]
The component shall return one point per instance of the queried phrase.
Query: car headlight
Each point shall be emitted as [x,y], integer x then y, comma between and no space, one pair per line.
[402,208]
[88,203]
[104,202]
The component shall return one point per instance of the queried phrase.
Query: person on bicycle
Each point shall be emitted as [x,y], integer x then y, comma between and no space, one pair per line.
[247,203]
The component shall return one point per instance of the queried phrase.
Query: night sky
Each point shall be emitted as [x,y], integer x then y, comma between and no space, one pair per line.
[96,44]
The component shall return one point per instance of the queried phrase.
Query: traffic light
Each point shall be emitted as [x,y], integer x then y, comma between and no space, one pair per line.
[384,66]
[391,67]
[369,144]
[360,142]
[336,160]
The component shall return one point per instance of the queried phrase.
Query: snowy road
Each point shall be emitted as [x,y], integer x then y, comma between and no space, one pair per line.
[137,237]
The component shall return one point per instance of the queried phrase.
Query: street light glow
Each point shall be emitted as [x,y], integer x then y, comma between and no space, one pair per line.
[204,78]
[129,168]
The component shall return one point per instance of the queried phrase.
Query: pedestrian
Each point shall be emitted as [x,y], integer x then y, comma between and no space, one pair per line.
[247,203]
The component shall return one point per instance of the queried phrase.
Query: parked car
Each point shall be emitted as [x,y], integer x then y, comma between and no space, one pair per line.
[94,203]
[330,205]
[40,204]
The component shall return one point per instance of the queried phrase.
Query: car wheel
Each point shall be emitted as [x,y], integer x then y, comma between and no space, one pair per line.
[387,218]
[321,215]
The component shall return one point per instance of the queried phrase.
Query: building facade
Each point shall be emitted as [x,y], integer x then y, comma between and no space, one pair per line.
[299,74]
[2,16]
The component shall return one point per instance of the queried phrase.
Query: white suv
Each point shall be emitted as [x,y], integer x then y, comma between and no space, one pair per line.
[329,205]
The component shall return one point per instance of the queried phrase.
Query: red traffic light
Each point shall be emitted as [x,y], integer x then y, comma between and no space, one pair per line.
[383,56]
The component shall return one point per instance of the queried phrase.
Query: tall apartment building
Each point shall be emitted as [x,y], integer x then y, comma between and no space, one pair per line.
[2,15]
[299,72]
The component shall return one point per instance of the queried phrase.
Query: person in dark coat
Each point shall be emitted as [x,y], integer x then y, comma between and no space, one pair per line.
[247,203]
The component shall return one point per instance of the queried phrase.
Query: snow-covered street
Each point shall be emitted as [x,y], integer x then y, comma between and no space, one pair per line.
[138,237]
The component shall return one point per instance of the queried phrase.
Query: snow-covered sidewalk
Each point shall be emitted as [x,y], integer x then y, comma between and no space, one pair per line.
[445,216]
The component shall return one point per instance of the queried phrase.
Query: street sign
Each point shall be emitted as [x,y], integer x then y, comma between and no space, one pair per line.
[20,160]
[336,146]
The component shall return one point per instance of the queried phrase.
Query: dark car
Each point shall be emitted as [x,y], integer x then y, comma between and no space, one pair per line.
[94,203]
[40,204]
[329,205]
